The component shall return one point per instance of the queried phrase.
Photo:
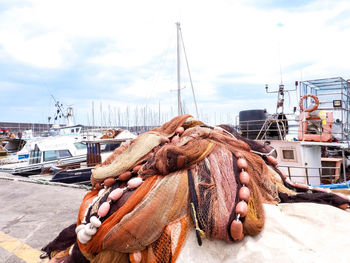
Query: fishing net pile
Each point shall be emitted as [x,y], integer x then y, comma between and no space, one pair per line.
[151,192]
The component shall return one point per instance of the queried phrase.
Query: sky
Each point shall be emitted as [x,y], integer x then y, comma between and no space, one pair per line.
[115,61]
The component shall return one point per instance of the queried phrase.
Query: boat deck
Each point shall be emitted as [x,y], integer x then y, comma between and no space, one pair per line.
[32,215]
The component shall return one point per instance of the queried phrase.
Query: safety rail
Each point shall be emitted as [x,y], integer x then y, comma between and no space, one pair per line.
[331,177]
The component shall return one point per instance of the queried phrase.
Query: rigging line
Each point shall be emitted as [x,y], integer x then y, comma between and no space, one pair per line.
[189,73]
[160,64]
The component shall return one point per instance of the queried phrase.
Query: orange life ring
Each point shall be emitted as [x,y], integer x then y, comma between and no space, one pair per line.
[110,133]
[311,109]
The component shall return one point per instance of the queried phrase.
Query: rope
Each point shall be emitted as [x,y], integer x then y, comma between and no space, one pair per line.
[189,73]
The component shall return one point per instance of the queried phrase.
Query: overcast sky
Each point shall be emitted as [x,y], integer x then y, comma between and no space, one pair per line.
[121,55]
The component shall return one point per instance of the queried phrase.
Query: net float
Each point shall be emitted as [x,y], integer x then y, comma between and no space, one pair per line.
[98,186]
[238,155]
[124,176]
[90,230]
[244,193]
[303,186]
[344,206]
[180,130]
[244,178]
[115,194]
[236,230]
[136,168]
[134,182]
[242,163]
[164,139]
[95,221]
[103,209]
[320,189]
[109,181]
[272,160]
[83,237]
[242,208]
[78,228]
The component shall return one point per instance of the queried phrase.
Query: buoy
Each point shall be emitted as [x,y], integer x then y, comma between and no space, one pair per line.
[303,186]
[134,182]
[180,130]
[136,168]
[90,229]
[242,208]
[78,228]
[109,181]
[95,221]
[98,186]
[244,178]
[238,155]
[103,209]
[242,163]
[244,193]
[116,194]
[124,176]
[83,237]
[236,230]
[272,160]
[164,139]
[344,206]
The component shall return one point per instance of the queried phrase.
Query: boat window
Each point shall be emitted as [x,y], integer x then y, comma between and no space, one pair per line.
[64,154]
[288,155]
[35,155]
[109,147]
[80,145]
[50,156]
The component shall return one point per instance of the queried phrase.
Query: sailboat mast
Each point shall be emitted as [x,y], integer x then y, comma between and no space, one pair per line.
[178,70]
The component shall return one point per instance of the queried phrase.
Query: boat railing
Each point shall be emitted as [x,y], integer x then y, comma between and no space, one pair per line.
[323,173]
[293,129]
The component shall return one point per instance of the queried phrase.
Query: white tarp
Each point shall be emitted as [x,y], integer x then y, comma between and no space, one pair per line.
[298,232]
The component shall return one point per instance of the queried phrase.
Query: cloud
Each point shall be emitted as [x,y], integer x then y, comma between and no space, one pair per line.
[124,53]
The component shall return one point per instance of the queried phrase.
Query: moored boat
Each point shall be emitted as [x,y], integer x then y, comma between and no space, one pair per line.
[312,144]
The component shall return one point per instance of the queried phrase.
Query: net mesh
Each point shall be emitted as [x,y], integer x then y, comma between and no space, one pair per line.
[150,224]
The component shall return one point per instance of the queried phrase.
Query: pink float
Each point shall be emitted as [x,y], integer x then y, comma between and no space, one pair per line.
[244,178]
[134,182]
[116,194]
[103,209]
[244,193]
[242,163]
[242,208]
[236,230]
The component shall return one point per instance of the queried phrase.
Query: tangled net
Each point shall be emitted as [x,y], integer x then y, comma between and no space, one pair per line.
[149,193]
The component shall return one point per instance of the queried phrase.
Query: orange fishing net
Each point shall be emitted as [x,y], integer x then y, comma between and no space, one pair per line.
[191,181]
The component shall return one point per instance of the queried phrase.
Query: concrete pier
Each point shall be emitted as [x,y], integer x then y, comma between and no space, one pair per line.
[32,215]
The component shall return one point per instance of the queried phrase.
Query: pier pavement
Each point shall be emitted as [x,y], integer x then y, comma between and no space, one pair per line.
[32,215]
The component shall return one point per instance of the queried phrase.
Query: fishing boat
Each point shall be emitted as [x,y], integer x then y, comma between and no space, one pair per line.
[97,152]
[49,151]
[312,142]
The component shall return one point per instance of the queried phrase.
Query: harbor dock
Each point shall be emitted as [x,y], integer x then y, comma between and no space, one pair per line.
[32,215]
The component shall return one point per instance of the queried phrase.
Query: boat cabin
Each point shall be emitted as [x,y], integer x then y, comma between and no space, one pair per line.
[311,144]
